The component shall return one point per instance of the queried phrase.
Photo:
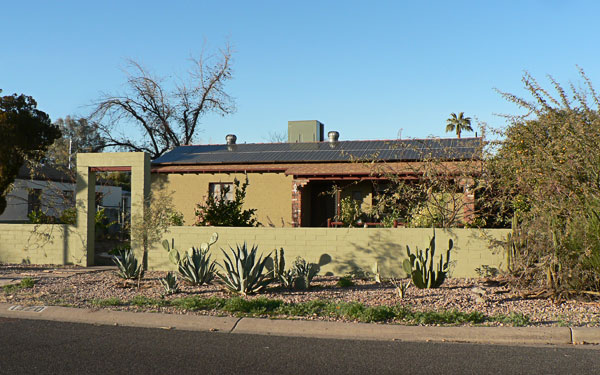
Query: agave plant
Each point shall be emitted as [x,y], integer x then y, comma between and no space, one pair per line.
[196,267]
[169,282]
[129,267]
[244,274]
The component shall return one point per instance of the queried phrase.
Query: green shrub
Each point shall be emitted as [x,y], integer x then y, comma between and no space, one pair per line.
[309,308]
[344,282]
[196,303]
[221,212]
[256,306]
[25,283]
[514,319]
[142,301]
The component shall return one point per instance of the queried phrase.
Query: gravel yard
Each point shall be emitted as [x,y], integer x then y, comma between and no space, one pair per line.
[64,286]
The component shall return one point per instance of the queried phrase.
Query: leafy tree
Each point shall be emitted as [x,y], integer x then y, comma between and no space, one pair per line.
[25,134]
[458,123]
[159,214]
[220,212]
[165,119]
[78,135]
[547,168]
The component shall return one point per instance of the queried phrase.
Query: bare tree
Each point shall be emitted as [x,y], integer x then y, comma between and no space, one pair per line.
[276,137]
[166,118]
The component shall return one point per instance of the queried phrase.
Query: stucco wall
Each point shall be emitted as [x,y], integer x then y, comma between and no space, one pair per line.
[339,249]
[269,193]
[41,244]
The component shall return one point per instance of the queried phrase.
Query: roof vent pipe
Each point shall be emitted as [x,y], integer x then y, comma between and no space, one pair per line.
[333,136]
[230,138]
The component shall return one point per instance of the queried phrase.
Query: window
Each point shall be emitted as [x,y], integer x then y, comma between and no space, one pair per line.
[215,189]
[34,200]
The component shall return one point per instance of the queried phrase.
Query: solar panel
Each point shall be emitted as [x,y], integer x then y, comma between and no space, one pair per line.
[394,150]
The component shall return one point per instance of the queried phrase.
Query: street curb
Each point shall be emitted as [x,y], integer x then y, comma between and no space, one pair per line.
[123,318]
[304,328]
[366,331]
[588,335]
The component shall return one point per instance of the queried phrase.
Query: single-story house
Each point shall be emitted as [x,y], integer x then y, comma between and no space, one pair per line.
[290,183]
[51,191]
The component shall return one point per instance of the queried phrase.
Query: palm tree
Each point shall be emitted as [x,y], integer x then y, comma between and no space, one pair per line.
[459,123]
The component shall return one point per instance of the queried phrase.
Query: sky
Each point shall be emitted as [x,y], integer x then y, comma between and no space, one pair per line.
[368,69]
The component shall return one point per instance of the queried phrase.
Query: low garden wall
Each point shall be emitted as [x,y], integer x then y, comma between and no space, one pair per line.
[338,250]
[41,244]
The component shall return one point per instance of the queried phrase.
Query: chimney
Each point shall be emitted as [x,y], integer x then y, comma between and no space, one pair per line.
[333,136]
[230,138]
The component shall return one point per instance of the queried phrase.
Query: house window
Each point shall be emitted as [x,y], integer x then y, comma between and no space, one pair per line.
[34,200]
[216,189]
[357,196]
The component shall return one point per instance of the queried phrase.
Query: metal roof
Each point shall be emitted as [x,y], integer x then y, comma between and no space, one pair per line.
[342,151]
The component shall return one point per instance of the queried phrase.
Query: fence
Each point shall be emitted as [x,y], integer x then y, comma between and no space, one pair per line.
[41,244]
[339,250]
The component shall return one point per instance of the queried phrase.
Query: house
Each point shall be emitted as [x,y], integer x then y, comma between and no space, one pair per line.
[292,184]
[50,190]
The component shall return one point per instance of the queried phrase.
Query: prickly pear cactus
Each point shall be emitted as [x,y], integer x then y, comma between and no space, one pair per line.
[174,255]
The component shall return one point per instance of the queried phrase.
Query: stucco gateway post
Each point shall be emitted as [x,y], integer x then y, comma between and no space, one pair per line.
[87,166]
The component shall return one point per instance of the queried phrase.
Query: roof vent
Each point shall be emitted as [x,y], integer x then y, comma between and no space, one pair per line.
[230,138]
[333,136]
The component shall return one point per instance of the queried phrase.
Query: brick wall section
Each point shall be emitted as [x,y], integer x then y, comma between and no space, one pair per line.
[339,249]
[297,186]
[41,244]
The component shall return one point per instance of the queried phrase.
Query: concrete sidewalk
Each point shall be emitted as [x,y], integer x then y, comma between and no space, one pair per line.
[320,329]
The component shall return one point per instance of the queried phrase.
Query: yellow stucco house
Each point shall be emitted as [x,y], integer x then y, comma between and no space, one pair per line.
[289,182]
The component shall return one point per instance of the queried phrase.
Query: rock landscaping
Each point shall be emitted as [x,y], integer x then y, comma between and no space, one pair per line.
[457,301]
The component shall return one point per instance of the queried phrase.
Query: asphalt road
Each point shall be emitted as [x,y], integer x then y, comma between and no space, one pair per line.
[44,347]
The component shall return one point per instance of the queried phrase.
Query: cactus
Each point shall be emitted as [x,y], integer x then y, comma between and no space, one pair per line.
[304,273]
[169,282]
[195,265]
[174,255]
[420,267]
[278,263]
[244,274]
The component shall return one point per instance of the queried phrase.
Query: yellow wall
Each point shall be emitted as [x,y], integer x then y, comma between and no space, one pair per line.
[270,193]
[339,249]
[41,244]
[366,190]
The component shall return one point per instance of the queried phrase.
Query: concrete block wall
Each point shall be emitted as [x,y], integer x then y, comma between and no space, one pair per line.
[41,244]
[338,250]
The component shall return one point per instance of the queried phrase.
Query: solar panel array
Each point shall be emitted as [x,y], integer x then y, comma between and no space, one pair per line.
[392,150]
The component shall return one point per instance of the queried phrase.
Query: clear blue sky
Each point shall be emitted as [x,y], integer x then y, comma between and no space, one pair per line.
[366,69]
